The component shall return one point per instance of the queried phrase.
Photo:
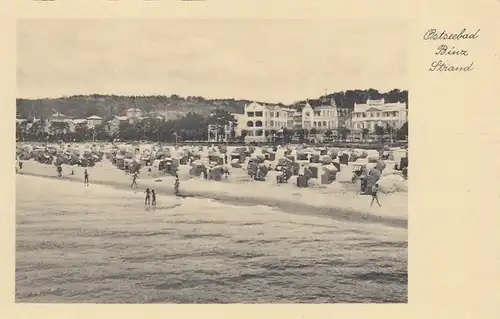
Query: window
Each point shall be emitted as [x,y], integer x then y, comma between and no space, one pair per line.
[272,123]
[258,114]
[371,114]
[308,114]
[319,124]
[250,124]
[364,115]
[259,133]
[378,114]
[277,114]
[258,124]
[314,124]
[250,114]
[317,113]
[271,114]
[324,123]
[250,133]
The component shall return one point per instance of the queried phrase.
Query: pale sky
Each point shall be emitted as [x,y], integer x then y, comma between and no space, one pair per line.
[265,60]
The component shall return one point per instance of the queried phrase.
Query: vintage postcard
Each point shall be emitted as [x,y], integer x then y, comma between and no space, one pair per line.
[245,159]
[211,161]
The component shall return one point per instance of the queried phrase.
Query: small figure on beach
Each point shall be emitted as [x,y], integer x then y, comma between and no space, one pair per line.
[153,198]
[86,175]
[20,165]
[176,185]
[134,180]
[59,170]
[375,190]
[147,199]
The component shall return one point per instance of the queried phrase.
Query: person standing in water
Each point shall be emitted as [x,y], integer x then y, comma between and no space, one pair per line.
[375,190]
[134,180]
[147,200]
[153,198]
[86,174]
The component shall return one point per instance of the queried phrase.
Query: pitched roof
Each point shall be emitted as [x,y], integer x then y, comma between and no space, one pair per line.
[59,116]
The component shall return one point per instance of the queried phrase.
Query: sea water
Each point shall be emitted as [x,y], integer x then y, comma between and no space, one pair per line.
[97,244]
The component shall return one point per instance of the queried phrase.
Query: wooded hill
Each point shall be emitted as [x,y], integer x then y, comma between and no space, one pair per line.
[106,106]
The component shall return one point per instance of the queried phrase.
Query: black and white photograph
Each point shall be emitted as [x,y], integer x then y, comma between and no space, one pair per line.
[212,161]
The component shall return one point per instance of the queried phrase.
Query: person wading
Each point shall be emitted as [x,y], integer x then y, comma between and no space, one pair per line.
[153,198]
[147,200]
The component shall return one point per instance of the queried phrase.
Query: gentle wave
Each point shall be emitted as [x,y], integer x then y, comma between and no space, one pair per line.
[99,245]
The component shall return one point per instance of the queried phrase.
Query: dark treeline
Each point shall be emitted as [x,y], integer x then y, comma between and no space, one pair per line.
[191,126]
[106,106]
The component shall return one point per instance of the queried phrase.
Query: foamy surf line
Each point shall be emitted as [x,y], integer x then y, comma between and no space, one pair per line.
[287,206]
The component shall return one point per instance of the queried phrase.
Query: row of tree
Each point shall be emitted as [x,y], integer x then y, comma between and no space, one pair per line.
[190,127]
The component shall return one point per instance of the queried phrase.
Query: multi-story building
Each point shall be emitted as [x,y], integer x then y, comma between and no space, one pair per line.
[259,119]
[59,118]
[133,115]
[377,112]
[297,120]
[321,115]
[93,121]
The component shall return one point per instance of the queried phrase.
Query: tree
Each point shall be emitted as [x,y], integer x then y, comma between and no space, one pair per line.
[21,128]
[364,133]
[402,133]
[58,129]
[329,134]
[287,135]
[211,134]
[267,133]
[127,132]
[244,134]
[81,132]
[302,135]
[343,133]
[379,131]
[221,119]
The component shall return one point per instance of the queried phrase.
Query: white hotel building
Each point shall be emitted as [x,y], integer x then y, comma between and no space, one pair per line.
[260,118]
[377,112]
[322,116]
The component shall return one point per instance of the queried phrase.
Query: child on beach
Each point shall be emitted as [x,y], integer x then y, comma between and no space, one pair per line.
[134,180]
[147,200]
[153,198]
[86,181]
[375,190]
